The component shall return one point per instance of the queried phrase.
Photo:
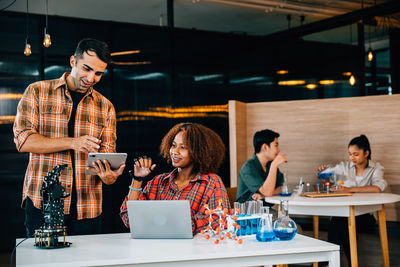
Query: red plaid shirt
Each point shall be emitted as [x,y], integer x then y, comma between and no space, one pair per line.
[45,109]
[201,190]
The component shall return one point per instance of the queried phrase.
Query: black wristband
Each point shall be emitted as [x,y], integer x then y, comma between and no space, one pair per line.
[139,179]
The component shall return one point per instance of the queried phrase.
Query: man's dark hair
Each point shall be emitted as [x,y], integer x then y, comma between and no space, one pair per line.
[100,48]
[263,137]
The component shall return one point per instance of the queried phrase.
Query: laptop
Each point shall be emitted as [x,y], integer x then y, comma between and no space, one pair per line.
[160,219]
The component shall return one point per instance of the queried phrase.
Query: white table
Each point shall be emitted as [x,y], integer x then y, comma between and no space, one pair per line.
[350,206]
[120,250]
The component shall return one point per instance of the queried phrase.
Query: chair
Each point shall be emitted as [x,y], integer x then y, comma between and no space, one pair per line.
[231,195]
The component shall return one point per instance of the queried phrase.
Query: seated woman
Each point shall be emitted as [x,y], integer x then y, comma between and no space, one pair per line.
[196,153]
[359,175]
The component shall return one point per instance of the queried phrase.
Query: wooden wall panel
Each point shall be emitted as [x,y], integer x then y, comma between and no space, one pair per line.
[237,133]
[318,131]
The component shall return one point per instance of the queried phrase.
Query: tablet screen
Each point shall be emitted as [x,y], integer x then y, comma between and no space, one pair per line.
[114,159]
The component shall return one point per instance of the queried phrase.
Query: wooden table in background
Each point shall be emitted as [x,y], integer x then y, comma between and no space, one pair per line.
[350,206]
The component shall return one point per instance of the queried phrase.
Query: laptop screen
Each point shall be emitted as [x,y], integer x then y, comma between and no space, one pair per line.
[160,219]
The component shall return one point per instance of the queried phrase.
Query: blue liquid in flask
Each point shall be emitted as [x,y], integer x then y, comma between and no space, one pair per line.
[265,236]
[285,233]
[324,176]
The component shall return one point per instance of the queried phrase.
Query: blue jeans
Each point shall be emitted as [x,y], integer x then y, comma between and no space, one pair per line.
[34,219]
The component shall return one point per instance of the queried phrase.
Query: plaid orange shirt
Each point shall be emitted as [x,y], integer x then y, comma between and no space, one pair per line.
[201,190]
[45,109]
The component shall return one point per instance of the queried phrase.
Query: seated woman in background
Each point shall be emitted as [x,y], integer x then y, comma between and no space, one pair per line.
[196,153]
[359,175]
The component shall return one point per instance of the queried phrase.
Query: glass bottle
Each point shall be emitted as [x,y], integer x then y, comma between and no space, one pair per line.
[284,227]
[265,232]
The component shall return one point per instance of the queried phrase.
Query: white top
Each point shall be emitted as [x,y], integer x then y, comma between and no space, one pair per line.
[346,172]
[120,249]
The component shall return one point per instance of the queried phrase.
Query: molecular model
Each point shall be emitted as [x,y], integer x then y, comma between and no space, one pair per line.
[221,232]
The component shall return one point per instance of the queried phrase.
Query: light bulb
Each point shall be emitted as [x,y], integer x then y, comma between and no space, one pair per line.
[28,50]
[47,40]
[352,80]
[311,86]
[370,56]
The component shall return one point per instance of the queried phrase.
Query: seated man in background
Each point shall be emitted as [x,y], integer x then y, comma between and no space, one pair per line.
[259,176]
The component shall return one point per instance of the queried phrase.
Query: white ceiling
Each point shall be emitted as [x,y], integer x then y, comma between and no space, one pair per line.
[253,17]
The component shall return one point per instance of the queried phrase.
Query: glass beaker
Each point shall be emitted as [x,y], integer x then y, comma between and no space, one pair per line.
[252,221]
[251,207]
[333,181]
[284,192]
[259,206]
[265,231]
[284,227]
[236,210]
[326,174]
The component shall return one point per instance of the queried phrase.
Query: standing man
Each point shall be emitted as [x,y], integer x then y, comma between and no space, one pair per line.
[59,122]
[259,176]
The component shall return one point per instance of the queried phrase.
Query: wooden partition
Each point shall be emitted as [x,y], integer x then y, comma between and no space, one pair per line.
[313,132]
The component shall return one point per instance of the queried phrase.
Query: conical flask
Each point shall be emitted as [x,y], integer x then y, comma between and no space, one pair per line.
[284,227]
[265,232]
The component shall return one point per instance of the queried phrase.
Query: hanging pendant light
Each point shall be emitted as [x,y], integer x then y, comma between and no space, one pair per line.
[28,48]
[47,39]
[370,55]
[352,80]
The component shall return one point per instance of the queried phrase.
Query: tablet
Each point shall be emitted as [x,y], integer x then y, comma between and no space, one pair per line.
[115,160]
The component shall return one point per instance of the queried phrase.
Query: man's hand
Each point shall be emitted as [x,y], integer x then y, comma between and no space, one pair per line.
[280,159]
[257,196]
[103,170]
[86,144]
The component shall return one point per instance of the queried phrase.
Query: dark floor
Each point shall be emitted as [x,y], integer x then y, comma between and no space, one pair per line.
[369,248]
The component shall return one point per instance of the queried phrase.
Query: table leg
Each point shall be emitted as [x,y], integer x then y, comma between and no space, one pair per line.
[316,226]
[352,237]
[383,236]
[279,210]
[316,232]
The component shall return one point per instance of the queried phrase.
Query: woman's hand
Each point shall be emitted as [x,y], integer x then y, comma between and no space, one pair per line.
[143,166]
[342,189]
[321,168]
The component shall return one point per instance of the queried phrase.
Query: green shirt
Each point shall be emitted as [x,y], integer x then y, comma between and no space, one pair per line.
[252,177]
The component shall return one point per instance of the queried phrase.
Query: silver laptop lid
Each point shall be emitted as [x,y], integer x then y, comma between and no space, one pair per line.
[160,219]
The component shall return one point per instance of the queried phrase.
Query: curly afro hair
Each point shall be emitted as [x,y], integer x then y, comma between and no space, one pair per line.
[206,149]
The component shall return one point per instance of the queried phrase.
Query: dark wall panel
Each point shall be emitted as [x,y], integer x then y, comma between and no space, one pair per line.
[175,68]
